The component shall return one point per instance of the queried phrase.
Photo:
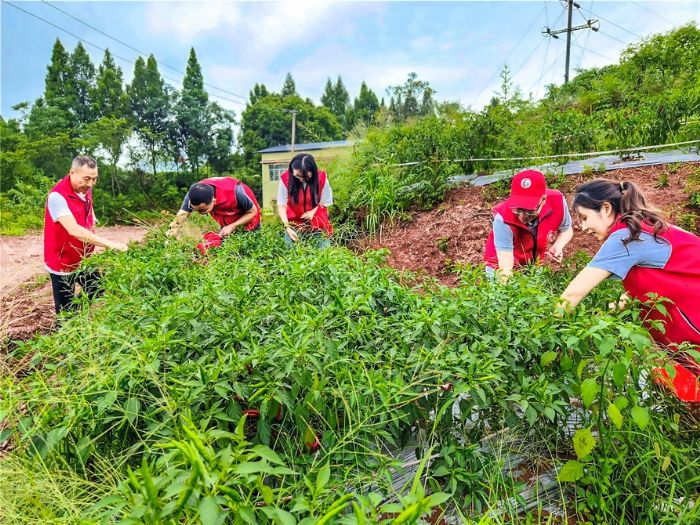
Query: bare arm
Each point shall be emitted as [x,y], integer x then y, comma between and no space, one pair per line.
[177,223]
[581,286]
[85,235]
[245,219]
[563,239]
[506,261]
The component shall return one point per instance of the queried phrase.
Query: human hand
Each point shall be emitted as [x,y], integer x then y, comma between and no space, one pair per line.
[556,253]
[118,246]
[307,216]
[227,230]
[292,234]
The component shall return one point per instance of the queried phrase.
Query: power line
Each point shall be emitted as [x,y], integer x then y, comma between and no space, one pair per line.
[80,39]
[654,13]
[488,82]
[614,24]
[138,50]
[614,38]
[598,54]
[585,44]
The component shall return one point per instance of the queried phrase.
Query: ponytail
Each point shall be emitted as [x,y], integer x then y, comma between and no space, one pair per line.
[627,201]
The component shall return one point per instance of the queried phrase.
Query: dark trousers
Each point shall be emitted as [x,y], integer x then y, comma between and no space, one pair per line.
[64,288]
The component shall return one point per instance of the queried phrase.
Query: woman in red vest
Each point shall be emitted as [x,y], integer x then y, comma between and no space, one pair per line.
[534,221]
[69,233]
[302,201]
[647,254]
[230,203]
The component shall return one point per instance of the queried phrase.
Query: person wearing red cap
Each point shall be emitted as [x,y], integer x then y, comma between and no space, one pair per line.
[69,233]
[230,203]
[534,221]
[649,255]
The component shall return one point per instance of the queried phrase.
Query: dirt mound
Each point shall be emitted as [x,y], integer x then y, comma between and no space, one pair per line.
[455,232]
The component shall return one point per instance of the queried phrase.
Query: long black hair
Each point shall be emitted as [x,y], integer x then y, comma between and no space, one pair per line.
[627,201]
[307,164]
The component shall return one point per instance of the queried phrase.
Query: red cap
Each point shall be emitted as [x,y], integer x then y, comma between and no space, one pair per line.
[527,189]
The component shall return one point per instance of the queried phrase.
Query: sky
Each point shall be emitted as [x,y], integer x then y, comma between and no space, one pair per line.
[458,47]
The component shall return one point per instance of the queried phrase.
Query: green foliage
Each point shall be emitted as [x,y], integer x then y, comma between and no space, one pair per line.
[326,344]
[336,99]
[414,98]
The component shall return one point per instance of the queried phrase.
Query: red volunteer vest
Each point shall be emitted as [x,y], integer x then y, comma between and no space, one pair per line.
[678,281]
[527,248]
[225,210]
[304,203]
[63,252]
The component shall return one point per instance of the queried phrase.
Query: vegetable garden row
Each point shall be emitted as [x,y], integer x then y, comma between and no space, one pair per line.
[270,385]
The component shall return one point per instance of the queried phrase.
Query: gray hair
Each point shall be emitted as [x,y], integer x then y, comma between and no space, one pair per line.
[83,160]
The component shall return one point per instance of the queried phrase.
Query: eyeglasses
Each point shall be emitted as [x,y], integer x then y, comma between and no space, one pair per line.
[524,211]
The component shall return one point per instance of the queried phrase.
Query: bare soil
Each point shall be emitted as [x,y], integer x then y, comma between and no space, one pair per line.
[26,301]
[455,232]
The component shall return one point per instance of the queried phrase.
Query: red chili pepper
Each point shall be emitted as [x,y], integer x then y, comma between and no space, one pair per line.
[251,413]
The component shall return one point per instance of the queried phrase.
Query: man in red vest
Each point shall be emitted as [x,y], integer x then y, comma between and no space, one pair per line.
[69,224]
[533,222]
[230,203]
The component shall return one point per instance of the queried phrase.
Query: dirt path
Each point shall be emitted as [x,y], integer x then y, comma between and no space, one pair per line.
[26,303]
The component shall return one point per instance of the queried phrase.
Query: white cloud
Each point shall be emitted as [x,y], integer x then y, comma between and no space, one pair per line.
[187,21]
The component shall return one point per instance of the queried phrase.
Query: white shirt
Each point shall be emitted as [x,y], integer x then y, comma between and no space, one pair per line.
[326,194]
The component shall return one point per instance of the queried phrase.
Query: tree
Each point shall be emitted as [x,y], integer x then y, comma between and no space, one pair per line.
[364,107]
[336,99]
[289,88]
[82,85]
[408,95]
[268,123]
[259,91]
[109,99]
[111,133]
[150,104]
[57,90]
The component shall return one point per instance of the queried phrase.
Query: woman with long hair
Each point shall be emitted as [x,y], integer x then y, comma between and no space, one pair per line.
[302,201]
[653,258]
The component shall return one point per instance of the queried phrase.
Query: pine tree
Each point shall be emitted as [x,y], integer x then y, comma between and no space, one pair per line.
[150,107]
[364,108]
[109,99]
[289,88]
[82,85]
[259,91]
[57,91]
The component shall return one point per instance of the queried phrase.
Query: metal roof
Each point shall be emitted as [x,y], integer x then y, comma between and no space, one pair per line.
[307,147]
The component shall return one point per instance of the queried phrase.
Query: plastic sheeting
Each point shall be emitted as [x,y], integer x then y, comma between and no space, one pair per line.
[609,162]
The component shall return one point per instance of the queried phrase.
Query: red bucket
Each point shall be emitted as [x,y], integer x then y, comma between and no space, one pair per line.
[685,384]
[210,240]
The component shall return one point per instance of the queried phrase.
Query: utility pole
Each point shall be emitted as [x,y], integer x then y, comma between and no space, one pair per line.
[590,24]
[568,40]
[294,125]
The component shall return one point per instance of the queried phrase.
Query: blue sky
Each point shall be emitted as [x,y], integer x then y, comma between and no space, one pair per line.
[459,47]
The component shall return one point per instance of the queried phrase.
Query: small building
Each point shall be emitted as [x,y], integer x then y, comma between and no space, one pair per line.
[275,162]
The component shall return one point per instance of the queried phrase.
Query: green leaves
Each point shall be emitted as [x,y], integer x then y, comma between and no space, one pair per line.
[640,416]
[589,391]
[584,442]
[615,415]
[571,471]
[547,358]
